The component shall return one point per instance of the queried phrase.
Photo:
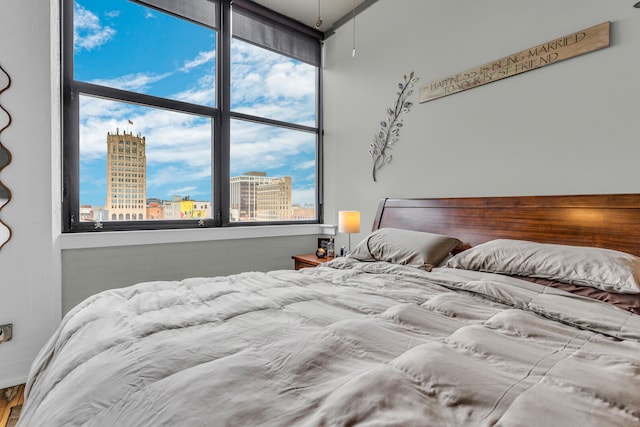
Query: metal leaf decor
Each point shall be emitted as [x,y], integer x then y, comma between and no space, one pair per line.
[389,132]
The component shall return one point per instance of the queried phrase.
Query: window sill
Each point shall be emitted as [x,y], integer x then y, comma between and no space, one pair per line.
[152,237]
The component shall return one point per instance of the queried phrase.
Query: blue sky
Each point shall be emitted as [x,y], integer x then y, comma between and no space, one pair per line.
[121,44]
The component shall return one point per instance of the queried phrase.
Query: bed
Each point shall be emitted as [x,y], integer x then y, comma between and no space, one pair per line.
[430,321]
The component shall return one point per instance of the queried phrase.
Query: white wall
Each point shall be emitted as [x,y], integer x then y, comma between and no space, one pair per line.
[29,263]
[568,128]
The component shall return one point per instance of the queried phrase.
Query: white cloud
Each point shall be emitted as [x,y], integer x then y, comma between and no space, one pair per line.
[306,165]
[291,80]
[265,147]
[174,175]
[89,33]
[303,196]
[98,118]
[202,58]
[203,93]
[133,82]
[270,85]
[189,190]
[258,73]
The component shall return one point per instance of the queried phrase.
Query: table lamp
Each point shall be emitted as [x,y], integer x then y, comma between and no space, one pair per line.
[349,222]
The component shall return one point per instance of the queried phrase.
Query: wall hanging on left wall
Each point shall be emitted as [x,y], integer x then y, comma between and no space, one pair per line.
[389,132]
[5,157]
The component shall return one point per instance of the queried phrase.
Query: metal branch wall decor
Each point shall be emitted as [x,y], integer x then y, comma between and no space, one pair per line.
[389,132]
[5,159]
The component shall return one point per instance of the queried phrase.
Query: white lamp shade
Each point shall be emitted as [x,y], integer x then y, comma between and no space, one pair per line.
[348,221]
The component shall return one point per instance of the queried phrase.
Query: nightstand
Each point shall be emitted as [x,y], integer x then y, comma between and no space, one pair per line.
[309,260]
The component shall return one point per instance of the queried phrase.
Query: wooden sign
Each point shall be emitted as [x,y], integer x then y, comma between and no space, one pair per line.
[588,40]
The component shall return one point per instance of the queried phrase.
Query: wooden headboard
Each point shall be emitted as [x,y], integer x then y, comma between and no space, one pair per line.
[605,220]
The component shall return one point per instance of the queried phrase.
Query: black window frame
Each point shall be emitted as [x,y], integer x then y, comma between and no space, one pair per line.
[221,116]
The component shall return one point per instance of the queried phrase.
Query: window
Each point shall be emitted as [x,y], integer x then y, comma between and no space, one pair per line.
[170,121]
[271,158]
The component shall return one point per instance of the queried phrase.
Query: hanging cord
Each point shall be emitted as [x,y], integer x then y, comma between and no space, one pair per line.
[353,53]
[319,20]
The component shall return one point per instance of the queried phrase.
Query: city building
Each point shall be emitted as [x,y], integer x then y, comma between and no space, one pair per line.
[155,210]
[254,196]
[93,213]
[243,192]
[274,200]
[303,212]
[126,176]
[185,208]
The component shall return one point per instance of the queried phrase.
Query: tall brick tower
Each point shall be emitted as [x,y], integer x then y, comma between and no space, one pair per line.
[126,176]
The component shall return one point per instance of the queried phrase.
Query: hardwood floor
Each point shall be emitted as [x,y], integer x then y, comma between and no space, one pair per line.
[11,400]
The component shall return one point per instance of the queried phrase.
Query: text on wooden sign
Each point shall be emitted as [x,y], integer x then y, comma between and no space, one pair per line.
[587,40]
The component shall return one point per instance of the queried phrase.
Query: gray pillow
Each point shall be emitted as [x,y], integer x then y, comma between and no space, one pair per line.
[604,269]
[405,247]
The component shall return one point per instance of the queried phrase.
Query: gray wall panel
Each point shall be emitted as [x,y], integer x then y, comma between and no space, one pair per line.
[88,271]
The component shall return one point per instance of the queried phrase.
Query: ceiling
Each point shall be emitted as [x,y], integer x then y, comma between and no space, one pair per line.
[306,11]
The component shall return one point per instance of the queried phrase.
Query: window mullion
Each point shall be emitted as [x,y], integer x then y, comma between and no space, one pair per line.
[272,122]
[222,144]
[70,158]
[142,99]
[319,149]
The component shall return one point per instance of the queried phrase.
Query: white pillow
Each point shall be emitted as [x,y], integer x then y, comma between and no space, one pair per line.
[405,247]
[605,269]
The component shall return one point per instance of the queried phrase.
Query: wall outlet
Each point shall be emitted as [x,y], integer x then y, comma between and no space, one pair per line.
[6,332]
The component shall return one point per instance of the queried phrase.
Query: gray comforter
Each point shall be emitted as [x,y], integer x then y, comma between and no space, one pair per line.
[349,343]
